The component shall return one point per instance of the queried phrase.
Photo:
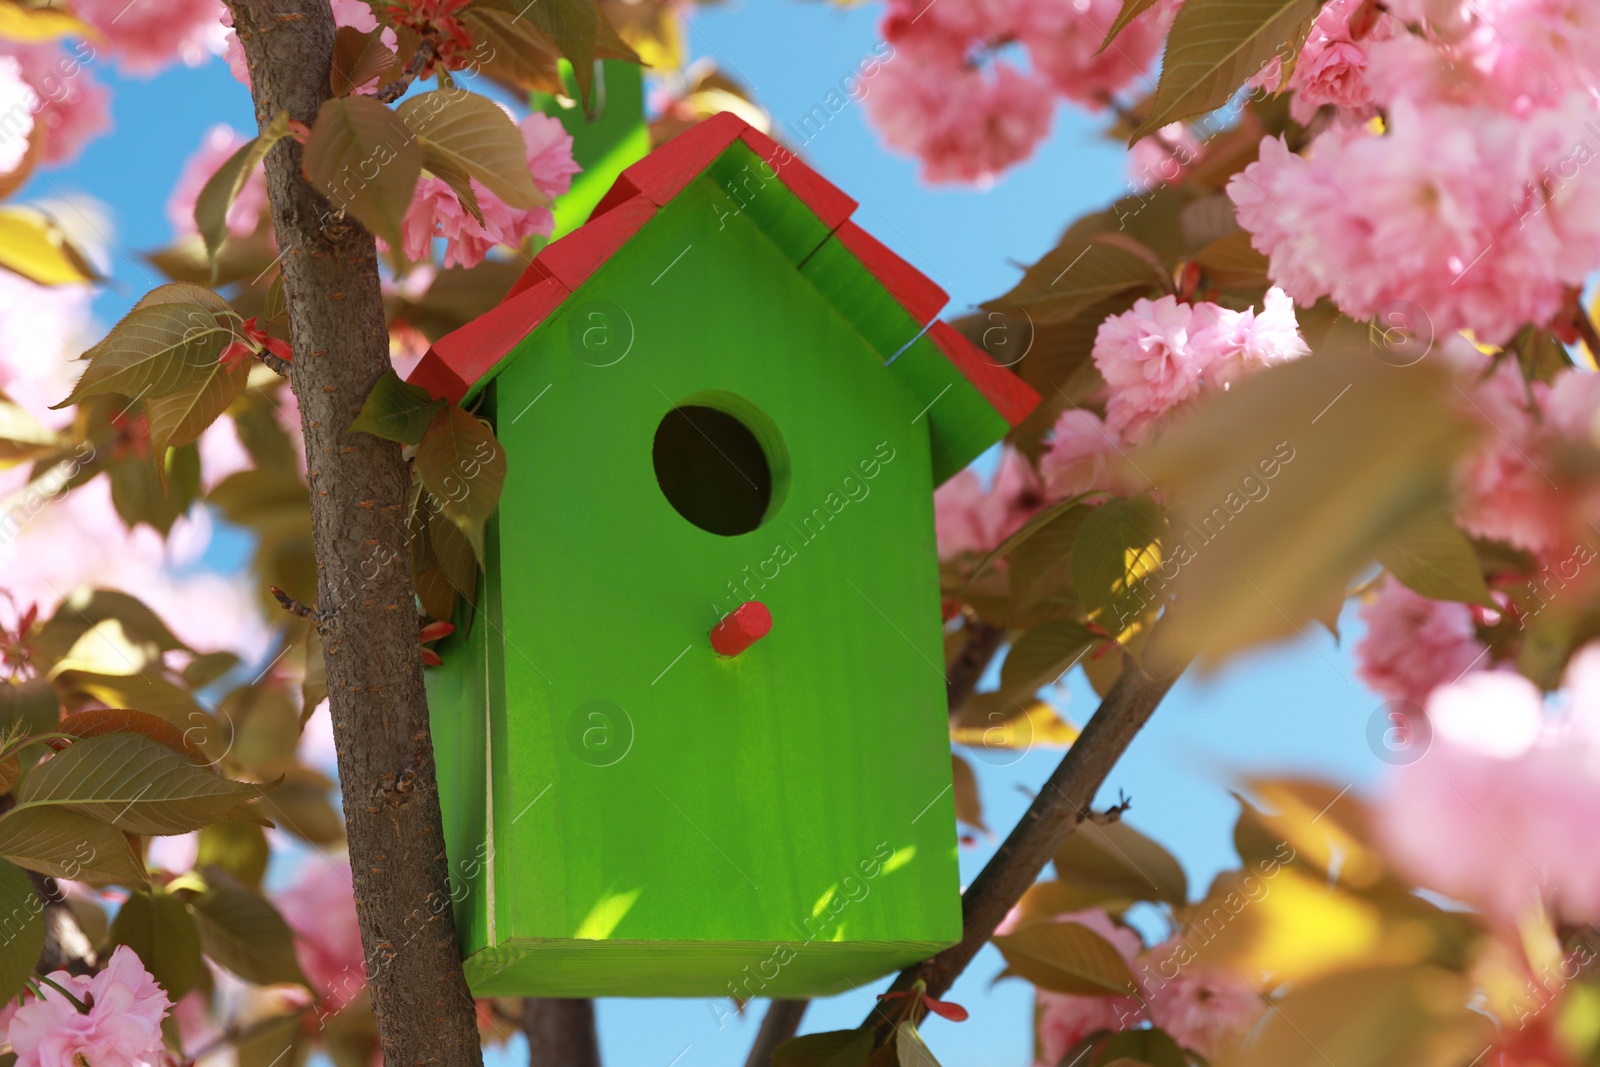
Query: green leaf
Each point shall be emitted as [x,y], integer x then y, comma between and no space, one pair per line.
[23,927]
[463,133]
[1042,655]
[1232,262]
[181,417]
[237,848]
[222,188]
[578,28]
[357,59]
[366,161]
[64,844]
[969,805]
[1154,1047]
[1117,862]
[133,783]
[832,1048]
[1131,9]
[910,1050]
[1081,272]
[1215,47]
[463,468]
[396,410]
[1041,567]
[208,667]
[454,554]
[1433,557]
[85,608]
[32,703]
[242,932]
[1118,548]
[1066,957]
[155,350]
[158,926]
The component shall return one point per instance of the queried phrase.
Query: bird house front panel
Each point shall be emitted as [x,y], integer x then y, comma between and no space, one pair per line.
[698,437]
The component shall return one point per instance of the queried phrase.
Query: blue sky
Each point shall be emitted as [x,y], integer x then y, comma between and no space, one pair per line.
[1293,708]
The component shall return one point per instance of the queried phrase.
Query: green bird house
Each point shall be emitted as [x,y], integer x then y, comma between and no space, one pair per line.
[694,741]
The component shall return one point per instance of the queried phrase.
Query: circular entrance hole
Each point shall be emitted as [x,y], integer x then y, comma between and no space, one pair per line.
[712,469]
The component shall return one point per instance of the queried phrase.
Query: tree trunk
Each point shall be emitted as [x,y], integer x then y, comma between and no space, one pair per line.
[561,1033]
[366,617]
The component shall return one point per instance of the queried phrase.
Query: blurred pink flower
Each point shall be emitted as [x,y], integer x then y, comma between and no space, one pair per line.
[1064,42]
[357,14]
[965,123]
[1206,1010]
[1065,1019]
[221,142]
[967,518]
[121,1029]
[1161,158]
[18,102]
[1414,644]
[71,106]
[148,35]
[1490,813]
[1333,62]
[321,907]
[1082,456]
[435,212]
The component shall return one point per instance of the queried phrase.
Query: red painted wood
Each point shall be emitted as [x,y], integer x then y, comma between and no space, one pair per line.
[913,289]
[825,199]
[1008,394]
[622,190]
[580,253]
[466,354]
[741,628]
[663,173]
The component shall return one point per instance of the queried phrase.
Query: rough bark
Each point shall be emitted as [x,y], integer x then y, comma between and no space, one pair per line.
[561,1033]
[780,1024]
[977,651]
[1055,813]
[365,616]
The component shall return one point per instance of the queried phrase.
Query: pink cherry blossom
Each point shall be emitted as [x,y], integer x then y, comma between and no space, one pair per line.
[1206,1010]
[321,907]
[1161,158]
[435,212]
[357,14]
[147,36]
[221,141]
[1485,220]
[1332,66]
[965,123]
[121,1029]
[1064,42]
[1489,815]
[968,518]
[1414,644]
[70,105]
[1066,1019]
[1082,456]
[18,102]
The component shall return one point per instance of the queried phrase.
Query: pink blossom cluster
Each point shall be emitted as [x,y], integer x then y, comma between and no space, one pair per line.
[220,143]
[1474,200]
[1205,1009]
[969,518]
[69,106]
[952,95]
[146,36]
[1163,353]
[320,906]
[1489,814]
[436,213]
[122,1027]
[1414,644]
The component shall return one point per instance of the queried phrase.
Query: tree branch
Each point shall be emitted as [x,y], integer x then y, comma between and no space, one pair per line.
[427,51]
[977,651]
[358,496]
[1061,805]
[780,1024]
[561,1033]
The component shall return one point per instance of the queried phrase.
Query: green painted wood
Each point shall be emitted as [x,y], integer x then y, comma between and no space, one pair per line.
[604,145]
[665,821]
[758,192]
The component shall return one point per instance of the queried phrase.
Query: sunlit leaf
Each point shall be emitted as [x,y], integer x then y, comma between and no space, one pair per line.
[1040,656]
[134,783]
[1066,957]
[578,28]
[523,57]
[467,134]
[366,161]
[1131,9]
[180,417]
[909,1047]
[1215,46]
[22,437]
[222,188]
[155,350]
[1118,549]
[396,410]
[238,848]
[1322,825]
[991,721]
[1118,861]
[19,22]
[464,469]
[32,245]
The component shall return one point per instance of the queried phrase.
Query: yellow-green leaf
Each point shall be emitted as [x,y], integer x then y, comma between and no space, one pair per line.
[24,929]
[1115,861]
[222,188]
[910,1049]
[1215,47]
[366,161]
[396,410]
[1081,272]
[1433,557]
[463,133]
[1066,957]
[1118,549]
[158,926]
[155,350]
[32,245]
[463,468]
[65,844]
[182,416]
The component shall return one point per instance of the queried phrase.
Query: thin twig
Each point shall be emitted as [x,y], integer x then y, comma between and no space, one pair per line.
[277,363]
[427,52]
[966,670]
[1055,813]
[293,606]
[778,1026]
